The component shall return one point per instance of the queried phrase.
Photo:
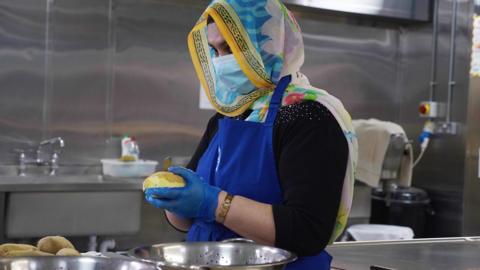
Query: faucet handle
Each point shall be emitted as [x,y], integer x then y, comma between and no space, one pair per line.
[51,141]
[22,161]
[54,163]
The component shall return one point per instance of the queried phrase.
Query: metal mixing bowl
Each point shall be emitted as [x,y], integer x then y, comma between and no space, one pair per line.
[214,255]
[73,263]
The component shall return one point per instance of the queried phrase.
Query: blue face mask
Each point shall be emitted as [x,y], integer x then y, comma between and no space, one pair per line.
[230,79]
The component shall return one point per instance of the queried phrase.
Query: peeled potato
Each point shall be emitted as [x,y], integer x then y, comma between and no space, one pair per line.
[26,253]
[52,244]
[163,180]
[68,252]
[5,248]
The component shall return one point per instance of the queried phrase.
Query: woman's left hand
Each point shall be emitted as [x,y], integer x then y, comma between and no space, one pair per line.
[197,199]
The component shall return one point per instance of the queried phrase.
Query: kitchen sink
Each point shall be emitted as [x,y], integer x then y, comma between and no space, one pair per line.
[38,171]
[77,201]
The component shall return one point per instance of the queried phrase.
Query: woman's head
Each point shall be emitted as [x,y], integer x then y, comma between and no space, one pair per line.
[230,80]
[262,36]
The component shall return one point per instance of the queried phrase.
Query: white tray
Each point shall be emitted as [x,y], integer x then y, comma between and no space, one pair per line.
[139,168]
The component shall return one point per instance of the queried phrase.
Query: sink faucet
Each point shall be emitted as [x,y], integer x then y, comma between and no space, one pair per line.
[52,141]
[43,157]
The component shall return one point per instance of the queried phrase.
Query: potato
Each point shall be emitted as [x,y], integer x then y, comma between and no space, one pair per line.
[26,253]
[5,248]
[68,252]
[162,180]
[52,244]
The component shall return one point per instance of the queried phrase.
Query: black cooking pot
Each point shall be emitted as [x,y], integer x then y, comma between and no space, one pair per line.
[403,206]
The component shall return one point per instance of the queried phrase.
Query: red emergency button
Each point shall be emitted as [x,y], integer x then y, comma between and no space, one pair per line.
[424,109]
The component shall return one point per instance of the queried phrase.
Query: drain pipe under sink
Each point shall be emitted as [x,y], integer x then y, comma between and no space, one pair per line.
[107,245]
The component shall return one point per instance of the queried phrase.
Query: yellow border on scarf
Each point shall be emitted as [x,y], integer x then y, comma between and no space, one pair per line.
[253,76]
[196,61]
[203,81]
[263,84]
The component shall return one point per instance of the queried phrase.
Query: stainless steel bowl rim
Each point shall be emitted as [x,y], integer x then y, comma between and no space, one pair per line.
[96,259]
[292,256]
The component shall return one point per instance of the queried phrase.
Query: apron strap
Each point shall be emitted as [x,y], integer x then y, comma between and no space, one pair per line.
[276,101]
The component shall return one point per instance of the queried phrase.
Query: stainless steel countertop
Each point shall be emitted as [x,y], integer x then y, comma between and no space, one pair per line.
[68,183]
[443,253]
[68,178]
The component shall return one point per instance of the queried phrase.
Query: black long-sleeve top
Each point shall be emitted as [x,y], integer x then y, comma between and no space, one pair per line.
[311,155]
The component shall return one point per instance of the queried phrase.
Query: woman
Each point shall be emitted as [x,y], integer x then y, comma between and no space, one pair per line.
[276,162]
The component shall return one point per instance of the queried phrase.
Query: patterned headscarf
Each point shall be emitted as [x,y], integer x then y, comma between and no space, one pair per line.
[267,43]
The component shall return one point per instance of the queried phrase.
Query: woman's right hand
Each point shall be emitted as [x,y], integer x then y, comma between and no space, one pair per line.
[197,199]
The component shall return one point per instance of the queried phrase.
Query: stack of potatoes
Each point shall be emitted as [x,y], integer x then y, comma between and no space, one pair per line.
[47,246]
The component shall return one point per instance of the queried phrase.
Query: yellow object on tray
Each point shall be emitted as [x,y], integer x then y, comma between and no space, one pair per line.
[127,158]
[52,244]
[47,246]
[163,180]
[8,248]
[68,252]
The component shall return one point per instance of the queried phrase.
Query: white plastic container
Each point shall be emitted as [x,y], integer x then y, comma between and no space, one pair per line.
[138,168]
[376,232]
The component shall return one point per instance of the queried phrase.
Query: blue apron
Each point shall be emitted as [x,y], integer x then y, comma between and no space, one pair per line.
[241,161]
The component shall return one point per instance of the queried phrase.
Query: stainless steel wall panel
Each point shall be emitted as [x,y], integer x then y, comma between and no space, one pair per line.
[441,171]
[444,151]
[79,79]
[472,167]
[356,63]
[22,45]
[156,88]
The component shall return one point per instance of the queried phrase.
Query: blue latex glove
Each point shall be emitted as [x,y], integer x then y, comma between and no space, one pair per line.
[196,200]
